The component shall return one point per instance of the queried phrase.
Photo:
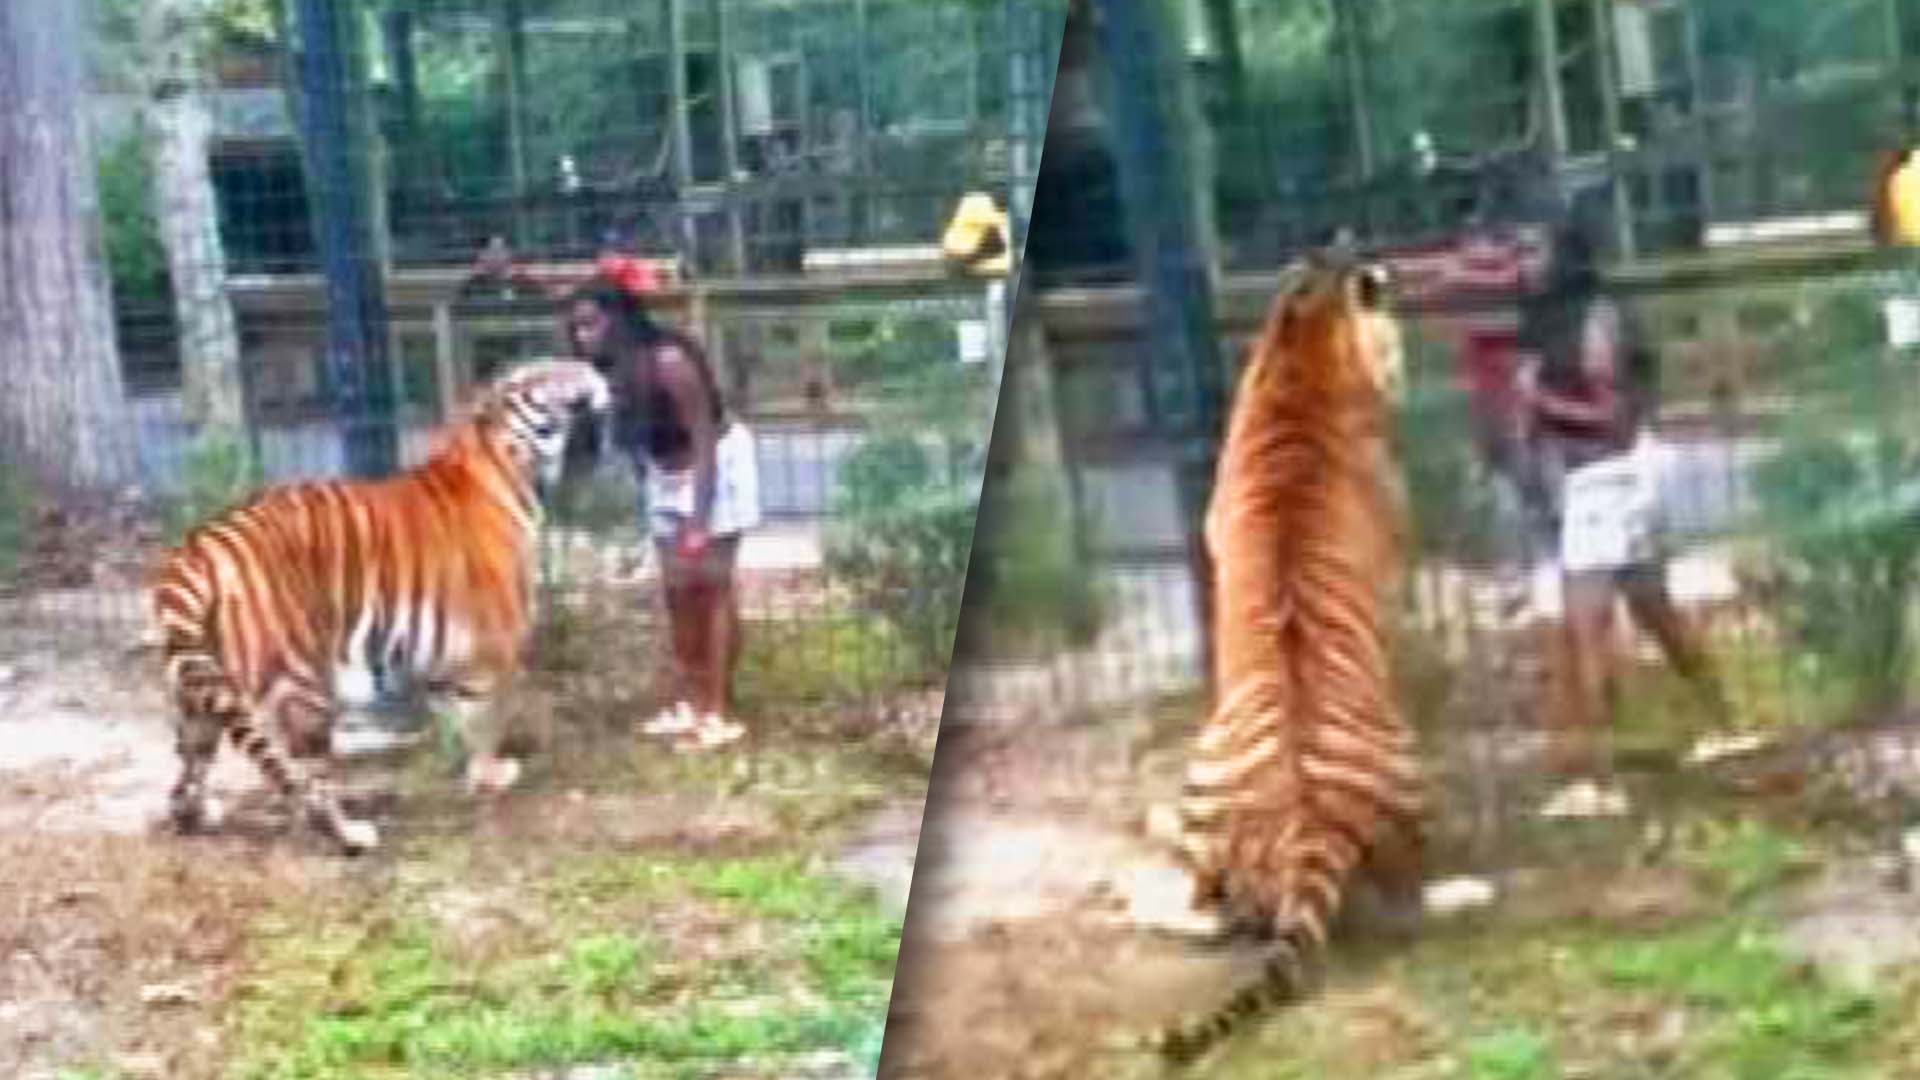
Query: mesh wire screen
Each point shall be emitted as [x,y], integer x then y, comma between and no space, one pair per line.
[1739,244]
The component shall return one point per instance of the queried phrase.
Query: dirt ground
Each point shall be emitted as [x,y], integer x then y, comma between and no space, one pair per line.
[1020,959]
[127,951]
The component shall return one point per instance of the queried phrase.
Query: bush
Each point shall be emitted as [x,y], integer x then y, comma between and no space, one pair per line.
[136,259]
[1844,545]
[900,537]
[1030,593]
[16,513]
[1837,505]
[220,471]
[1452,501]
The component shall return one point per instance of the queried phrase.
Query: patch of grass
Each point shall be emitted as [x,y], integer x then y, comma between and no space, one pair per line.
[1712,998]
[848,657]
[1765,1016]
[801,963]
[1745,857]
[1515,1053]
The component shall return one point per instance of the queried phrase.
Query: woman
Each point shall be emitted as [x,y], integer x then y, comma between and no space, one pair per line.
[1590,404]
[700,484]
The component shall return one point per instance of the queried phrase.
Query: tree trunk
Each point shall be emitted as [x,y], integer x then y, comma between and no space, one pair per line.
[173,40]
[63,414]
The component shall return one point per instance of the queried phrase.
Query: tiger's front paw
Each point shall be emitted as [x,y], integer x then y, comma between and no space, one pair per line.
[491,775]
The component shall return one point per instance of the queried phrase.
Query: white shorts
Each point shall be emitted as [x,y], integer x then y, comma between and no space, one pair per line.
[1609,517]
[736,490]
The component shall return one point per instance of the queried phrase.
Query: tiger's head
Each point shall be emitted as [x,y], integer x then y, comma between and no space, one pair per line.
[534,407]
[1336,308]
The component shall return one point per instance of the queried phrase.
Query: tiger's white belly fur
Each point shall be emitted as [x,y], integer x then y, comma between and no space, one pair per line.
[369,672]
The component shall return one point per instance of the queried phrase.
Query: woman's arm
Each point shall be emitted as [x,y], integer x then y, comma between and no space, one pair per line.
[1599,410]
[694,407]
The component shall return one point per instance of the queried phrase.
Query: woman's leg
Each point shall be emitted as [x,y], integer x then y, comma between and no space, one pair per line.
[686,624]
[1645,588]
[722,614]
[1586,663]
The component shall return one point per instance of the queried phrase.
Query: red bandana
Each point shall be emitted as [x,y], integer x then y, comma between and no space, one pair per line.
[629,273]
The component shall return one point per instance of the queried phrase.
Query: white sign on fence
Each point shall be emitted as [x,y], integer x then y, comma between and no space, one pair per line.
[974,341]
[1903,321]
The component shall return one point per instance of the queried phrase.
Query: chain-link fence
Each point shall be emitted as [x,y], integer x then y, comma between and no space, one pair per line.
[1783,375]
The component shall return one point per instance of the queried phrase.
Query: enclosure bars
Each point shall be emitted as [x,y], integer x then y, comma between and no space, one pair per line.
[357,362]
[1181,379]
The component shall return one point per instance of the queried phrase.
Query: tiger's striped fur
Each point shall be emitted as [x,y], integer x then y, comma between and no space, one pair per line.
[278,611]
[1304,772]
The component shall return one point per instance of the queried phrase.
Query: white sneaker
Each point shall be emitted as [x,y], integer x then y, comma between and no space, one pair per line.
[717,730]
[678,720]
[1585,799]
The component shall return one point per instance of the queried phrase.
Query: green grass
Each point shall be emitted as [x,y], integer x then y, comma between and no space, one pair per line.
[821,660]
[1515,1053]
[1511,1001]
[671,961]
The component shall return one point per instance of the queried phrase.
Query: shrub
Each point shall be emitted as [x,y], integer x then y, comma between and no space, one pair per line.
[1030,591]
[900,536]
[219,471]
[16,513]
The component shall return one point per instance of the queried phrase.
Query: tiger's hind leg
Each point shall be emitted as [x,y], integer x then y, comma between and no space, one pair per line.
[197,741]
[302,772]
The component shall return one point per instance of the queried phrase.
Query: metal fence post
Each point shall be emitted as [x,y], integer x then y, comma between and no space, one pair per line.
[356,339]
[1181,372]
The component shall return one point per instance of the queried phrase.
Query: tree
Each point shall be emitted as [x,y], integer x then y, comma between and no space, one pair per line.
[175,38]
[63,412]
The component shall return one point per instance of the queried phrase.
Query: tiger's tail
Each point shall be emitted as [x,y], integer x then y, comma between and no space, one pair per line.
[1288,972]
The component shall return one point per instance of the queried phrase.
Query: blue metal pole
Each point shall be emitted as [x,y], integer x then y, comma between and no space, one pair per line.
[356,339]
[1182,377]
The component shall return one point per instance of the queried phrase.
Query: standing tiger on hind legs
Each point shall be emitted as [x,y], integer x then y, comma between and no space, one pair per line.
[279,611]
[1304,775]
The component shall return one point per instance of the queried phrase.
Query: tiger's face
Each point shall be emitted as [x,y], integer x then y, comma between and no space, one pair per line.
[537,405]
[1344,303]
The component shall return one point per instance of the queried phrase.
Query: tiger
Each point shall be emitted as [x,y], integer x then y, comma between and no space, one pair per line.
[1303,772]
[277,612]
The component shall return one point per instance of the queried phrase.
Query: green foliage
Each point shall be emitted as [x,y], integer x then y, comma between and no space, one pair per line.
[905,500]
[1452,502]
[1839,512]
[838,658]
[577,984]
[901,532]
[16,514]
[219,472]
[1030,591]
[1775,1021]
[1514,1053]
[136,259]
[1747,857]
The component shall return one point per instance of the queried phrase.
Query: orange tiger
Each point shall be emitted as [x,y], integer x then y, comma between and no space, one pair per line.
[1304,771]
[283,608]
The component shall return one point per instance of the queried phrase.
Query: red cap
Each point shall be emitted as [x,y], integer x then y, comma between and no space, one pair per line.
[629,273]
